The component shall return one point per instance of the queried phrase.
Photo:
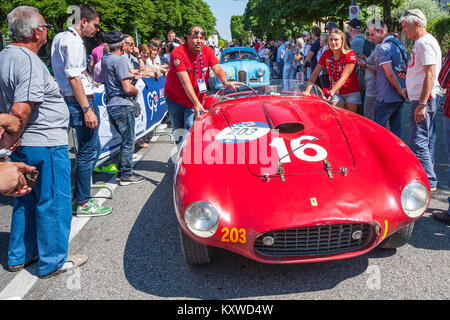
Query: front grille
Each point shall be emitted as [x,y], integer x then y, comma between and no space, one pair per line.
[242,76]
[315,241]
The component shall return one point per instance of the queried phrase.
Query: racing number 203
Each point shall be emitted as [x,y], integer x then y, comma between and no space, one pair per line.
[234,235]
[299,152]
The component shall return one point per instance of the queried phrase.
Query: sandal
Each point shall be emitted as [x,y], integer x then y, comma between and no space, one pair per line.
[77,260]
[22,266]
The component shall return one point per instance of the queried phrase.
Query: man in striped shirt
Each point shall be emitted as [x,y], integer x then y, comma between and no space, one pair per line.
[444,81]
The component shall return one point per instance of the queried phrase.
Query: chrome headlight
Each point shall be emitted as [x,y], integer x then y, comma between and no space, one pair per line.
[414,199]
[202,219]
[261,72]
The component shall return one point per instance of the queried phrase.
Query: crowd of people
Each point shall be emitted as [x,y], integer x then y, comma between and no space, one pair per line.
[377,73]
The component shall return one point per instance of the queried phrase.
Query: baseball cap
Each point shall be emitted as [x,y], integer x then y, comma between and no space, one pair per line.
[114,36]
[330,25]
[355,23]
[288,43]
[305,33]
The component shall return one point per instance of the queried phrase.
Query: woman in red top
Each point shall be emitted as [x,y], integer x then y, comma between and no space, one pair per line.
[340,62]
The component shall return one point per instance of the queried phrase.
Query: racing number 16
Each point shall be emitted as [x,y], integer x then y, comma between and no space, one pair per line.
[280,146]
[234,235]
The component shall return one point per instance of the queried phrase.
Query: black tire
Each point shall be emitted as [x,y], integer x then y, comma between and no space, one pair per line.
[194,253]
[398,239]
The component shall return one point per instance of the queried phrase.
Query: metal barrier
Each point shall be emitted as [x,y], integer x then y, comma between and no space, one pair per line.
[153,110]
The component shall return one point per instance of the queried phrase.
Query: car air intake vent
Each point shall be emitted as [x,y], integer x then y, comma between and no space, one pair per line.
[291,127]
[242,76]
[314,241]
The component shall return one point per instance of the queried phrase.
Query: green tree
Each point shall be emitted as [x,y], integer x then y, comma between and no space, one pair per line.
[278,18]
[237,30]
[153,18]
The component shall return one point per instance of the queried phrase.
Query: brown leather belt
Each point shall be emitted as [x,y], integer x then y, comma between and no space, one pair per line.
[72,98]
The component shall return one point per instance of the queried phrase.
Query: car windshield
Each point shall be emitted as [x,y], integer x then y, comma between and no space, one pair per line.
[275,88]
[239,55]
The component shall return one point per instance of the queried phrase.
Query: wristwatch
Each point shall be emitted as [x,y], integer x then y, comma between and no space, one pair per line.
[139,57]
[422,105]
[85,108]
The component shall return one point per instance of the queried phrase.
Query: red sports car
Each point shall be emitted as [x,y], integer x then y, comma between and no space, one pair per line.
[280,177]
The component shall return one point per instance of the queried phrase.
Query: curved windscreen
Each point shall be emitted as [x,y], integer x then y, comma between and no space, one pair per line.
[275,88]
[239,55]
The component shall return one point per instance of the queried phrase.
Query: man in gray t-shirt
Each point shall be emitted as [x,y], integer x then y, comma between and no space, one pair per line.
[24,77]
[115,69]
[120,92]
[41,219]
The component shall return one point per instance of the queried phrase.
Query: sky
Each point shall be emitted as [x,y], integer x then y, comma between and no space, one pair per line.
[222,11]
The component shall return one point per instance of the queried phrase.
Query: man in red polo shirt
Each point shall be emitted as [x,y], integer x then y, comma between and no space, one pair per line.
[188,75]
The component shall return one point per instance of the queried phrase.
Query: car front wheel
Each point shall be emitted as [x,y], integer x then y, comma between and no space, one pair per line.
[398,239]
[194,253]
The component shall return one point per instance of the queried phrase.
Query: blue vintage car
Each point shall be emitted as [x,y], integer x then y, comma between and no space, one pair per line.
[242,64]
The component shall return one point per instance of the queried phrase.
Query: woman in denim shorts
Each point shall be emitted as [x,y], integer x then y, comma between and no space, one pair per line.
[340,62]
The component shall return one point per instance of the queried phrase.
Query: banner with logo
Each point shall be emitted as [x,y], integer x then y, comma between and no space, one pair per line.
[153,109]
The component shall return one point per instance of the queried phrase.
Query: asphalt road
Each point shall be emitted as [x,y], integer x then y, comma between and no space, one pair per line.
[134,253]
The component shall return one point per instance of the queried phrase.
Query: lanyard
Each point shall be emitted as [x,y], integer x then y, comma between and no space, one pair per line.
[335,73]
[201,64]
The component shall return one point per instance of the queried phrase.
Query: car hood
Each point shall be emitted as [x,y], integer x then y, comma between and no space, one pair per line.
[285,136]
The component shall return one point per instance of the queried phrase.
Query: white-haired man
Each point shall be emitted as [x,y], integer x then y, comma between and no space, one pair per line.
[41,219]
[421,85]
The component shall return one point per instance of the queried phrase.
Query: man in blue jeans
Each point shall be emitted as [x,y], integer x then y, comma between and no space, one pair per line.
[69,65]
[391,88]
[41,219]
[422,86]
[120,91]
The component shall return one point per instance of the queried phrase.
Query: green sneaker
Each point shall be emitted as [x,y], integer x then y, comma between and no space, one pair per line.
[93,209]
[111,169]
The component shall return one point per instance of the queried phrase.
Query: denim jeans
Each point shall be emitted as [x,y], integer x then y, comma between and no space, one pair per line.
[288,76]
[447,140]
[122,118]
[422,138]
[89,149]
[181,117]
[41,219]
[389,113]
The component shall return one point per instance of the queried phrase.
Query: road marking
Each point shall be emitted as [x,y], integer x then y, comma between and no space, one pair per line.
[25,279]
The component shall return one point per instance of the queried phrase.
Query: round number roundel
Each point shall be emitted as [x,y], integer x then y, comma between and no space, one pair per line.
[243,132]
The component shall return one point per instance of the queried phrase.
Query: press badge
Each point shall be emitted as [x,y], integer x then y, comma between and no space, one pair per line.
[201,85]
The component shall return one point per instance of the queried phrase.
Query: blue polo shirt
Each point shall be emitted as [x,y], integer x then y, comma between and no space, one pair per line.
[390,52]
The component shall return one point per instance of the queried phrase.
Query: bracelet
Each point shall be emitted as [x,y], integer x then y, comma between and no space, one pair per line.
[139,57]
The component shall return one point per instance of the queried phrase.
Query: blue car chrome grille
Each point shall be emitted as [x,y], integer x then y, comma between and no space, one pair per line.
[242,76]
[315,241]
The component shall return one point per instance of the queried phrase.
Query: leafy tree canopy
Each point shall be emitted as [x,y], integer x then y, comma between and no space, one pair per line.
[153,18]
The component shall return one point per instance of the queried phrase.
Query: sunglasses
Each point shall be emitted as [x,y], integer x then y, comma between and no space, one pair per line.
[197,32]
[47,26]
[334,31]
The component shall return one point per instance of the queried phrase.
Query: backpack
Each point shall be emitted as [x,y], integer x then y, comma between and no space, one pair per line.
[368,47]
